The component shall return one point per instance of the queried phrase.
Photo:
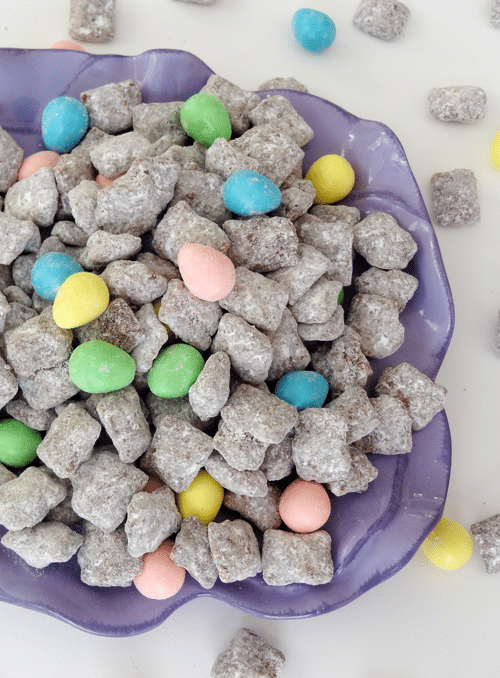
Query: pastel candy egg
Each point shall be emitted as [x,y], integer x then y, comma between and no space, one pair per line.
[495,150]
[314,30]
[50,271]
[304,506]
[206,272]
[175,370]
[32,163]
[18,443]
[249,193]
[203,498]
[204,118]
[100,367]
[64,122]
[67,44]
[82,297]
[449,545]
[333,178]
[160,577]
[302,389]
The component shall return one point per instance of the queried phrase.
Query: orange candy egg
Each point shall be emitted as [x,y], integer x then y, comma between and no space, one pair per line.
[160,577]
[67,44]
[206,272]
[304,506]
[32,163]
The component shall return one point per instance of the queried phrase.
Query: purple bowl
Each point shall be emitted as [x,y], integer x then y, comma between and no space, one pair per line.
[375,533]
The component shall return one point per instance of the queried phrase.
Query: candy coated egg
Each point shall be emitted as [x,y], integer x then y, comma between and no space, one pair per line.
[204,118]
[160,577]
[67,44]
[302,389]
[333,178]
[495,151]
[249,193]
[18,443]
[175,370]
[64,122]
[206,272]
[32,163]
[304,506]
[50,271]
[203,498]
[314,30]
[82,297]
[448,546]
[100,367]
[102,181]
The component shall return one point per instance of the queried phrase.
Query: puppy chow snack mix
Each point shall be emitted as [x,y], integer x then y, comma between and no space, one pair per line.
[465,103]
[454,198]
[248,655]
[495,14]
[92,20]
[385,19]
[486,534]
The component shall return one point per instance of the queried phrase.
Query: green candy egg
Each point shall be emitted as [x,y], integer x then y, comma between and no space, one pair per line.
[205,119]
[175,370]
[100,367]
[18,443]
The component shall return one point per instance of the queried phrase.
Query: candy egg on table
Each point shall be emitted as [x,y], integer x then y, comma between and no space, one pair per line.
[302,389]
[18,443]
[82,297]
[160,577]
[50,271]
[64,123]
[204,118]
[175,370]
[207,273]
[304,506]
[248,193]
[67,44]
[100,367]
[449,545]
[203,498]
[32,163]
[333,178]
[313,30]
[495,150]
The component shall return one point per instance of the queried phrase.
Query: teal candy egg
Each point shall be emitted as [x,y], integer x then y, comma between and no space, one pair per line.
[100,367]
[50,271]
[248,193]
[64,122]
[314,30]
[302,389]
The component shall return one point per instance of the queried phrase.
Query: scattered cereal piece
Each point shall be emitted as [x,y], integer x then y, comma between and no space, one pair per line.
[278,462]
[44,543]
[261,511]
[248,483]
[376,320]
[11,155]
[361,473]
[241,450]
[382,242]
[454,198]
[152,517]
[495,14]
[235,550]
[192,551]
[117,325]
[383,19]
[34,198]
[458,104]
[358,410]
[210,392]
[283,83]
[250,656]
[486,534]
[104,558]
[394,284]
[91,21]
[289,558]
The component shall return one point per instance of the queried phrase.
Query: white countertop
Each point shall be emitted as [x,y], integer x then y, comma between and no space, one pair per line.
[423,622]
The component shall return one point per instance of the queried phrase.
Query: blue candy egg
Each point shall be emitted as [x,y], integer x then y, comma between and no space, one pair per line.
[50,271]
[302,389]
[248,193]
[64,122]
[314,30]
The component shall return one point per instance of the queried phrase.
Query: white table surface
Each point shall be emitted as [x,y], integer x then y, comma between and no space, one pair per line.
[423,622]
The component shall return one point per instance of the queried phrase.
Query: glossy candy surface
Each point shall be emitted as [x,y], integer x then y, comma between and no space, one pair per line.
[314,30]
[100,367]
[82,297]
[64,122]
[304,506]
[333,178]
[175,370]
[449,545]
[50,271]
[18,443]
[160,577]
[302,389]
[205,119]
[206,272]
[203,498]
[249,193]
[36,161]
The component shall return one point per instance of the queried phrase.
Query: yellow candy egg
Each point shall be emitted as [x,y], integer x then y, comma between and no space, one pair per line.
[333,178]
[203,498]
[448,546]
[81,298]
[495,150]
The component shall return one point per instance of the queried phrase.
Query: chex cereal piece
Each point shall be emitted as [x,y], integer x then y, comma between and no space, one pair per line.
[188,157]
[18,315]
[203,193]
[454,198]
[241,450]
[193,320]
[44,543]
[8,383]
[104,558]
[71,169]
[133,281]
[337,213]
[159,266]
[383,19]
[376,320]
[82,201]
[155,336]
[54,244]
[249,483]
[343,364]
[4,308]
[264,416]
[16,236]
[261,511]
[279,111]
[121,415]
[318,304]
[250,656]
[289,353]
[283,83]
[361,473]
[151,518]
[63,512]
[458,104]
[357,409]
[223,159]
[91,21]
[210,392]
[296,199]
[117,325]
[237,102]
[179,408]
[289,558]
[48,387]
[235,550]
[103,487]
[21,268]
[178,451]
[157,120]
[69,441]
[392,435]
[26,500]
[103,247]
[115,155]
[319,447]
[11,155]
[382,242]
[262,244]
[486,534]
[249,350]
[394,284]
[495,13]
[34,198]
[110,106]
[192,551]
[422,397]
[14,293]
[6,475]
[278,462]
[327,331]
[300,277]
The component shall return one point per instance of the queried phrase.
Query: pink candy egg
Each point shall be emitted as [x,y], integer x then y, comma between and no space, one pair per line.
[304,506]
[160,577]
[67,44]
[102,181]
[32,163]
[206,272]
